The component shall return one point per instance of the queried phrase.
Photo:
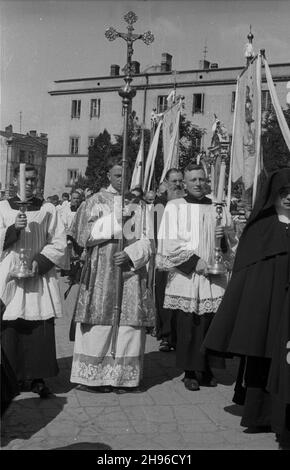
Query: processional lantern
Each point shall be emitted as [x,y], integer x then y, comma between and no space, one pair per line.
[219,154]
[22,270]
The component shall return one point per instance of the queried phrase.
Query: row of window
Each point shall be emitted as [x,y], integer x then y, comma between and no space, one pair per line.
[95,108]
[197,104]
[74,144]
[198,107]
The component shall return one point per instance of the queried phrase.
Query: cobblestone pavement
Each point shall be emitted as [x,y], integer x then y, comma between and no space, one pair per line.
[165,416]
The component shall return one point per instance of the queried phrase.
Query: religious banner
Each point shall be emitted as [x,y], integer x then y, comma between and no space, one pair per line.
[171,151]
[169,119]
[150,162]
[276,105]
[247,128]
[137,172]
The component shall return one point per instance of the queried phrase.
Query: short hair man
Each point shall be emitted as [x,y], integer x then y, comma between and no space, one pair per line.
[97,228]
[149,197]
[190,291]
[165,320]
[30,305]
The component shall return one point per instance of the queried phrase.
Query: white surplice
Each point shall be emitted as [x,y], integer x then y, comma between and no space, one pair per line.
[187,229]
[36,298]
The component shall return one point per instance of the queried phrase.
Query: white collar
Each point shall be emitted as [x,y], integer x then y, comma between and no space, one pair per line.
[110,189]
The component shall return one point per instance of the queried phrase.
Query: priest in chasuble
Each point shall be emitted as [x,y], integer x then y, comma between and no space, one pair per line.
[97,228]
[186,241]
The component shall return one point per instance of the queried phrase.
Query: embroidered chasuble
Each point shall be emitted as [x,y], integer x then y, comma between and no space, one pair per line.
[187,233]
[96,228]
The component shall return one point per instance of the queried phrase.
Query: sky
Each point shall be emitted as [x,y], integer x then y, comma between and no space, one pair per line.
[46,40]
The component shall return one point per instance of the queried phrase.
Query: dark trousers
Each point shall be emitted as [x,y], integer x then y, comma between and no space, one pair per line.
[165,318]
[30,348]
[191,331]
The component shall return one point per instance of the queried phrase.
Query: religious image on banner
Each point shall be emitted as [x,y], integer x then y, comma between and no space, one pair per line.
[246,130]
[169,120]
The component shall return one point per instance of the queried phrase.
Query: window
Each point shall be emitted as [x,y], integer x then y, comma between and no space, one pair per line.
[266,101]
[161,103]
[95,108]
[74,145]
[92,141]
[72,177]
[22,156]
[233,101]
[76,109]
[198,103]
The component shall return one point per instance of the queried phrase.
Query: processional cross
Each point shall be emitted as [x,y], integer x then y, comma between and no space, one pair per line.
[127,93]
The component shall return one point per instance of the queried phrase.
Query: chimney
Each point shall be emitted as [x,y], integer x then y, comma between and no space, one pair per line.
[9,129]
[33,133]
[115,70]
[135,67]
[166,62]
[204,64]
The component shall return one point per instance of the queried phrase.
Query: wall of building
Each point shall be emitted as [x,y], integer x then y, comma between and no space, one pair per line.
[57,171]
[21,148]
[217,86]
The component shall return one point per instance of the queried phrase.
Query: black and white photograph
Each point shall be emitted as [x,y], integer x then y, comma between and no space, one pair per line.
[145,228]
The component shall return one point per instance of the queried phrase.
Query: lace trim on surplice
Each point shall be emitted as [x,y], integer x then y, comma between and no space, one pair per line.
[192,305]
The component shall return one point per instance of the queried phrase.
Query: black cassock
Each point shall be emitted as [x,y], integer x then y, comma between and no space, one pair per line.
[253,318]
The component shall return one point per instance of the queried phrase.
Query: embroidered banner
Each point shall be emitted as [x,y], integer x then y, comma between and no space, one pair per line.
[246,131]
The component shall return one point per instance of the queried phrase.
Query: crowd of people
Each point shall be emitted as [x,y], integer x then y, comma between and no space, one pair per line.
[148,264]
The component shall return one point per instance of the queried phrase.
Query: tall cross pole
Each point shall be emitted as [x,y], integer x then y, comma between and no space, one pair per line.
[127,93]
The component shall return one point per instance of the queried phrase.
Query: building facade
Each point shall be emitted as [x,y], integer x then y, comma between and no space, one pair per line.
[18,148]
[84,107]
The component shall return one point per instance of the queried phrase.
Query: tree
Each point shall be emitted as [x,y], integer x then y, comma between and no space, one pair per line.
[275,151]
[189,142]
[96,172]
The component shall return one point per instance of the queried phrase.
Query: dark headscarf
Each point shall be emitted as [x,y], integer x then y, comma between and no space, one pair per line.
[263,237]
[267,198]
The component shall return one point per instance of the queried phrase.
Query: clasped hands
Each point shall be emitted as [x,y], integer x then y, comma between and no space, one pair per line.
[121,258]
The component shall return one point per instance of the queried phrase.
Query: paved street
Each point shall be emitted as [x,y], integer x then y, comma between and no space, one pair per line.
[165,416]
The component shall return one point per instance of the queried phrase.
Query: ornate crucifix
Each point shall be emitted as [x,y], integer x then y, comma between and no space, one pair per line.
[127,93]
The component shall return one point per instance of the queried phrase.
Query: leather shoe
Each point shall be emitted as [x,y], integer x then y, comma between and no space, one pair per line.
[191,384]
[207,380]
[39,387]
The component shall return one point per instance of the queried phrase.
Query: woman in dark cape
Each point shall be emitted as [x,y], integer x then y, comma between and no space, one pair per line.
[253,318]
[9,384]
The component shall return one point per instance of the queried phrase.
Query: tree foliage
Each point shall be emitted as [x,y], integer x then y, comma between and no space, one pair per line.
[190,141]
[275,151]
[96,172]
